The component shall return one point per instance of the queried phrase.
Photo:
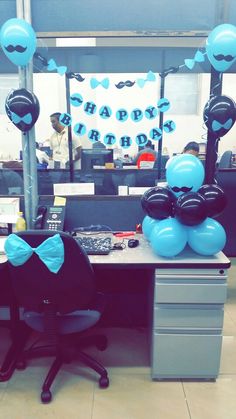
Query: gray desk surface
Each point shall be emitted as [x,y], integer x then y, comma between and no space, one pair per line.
[143,256]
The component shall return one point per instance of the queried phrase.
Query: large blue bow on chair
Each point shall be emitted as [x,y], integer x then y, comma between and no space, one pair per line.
[51,251]
[150,77]
[95,83]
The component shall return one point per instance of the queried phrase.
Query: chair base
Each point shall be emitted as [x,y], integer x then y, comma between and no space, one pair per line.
[64,354]
[10,362]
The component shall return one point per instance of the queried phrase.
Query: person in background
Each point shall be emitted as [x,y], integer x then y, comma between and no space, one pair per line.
[59,142]
[147,149]
[191,148]
[42,157]
[98,145]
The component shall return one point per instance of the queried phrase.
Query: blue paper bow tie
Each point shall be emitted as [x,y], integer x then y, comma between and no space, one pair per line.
[27,119]
[52,65]
[198,58]
[95,83]
[150,77]
[216,126]
[51,251]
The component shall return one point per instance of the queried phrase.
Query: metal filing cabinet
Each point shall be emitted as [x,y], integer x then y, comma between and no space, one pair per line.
[187,324]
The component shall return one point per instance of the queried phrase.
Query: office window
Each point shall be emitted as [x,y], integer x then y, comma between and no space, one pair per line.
[7,82]
[182,90]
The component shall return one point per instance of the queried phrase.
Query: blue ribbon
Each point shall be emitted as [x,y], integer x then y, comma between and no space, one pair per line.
[51,251]
[52,65]
[150,77]
[216,126]
[27,119]
[198,58]
[95,83]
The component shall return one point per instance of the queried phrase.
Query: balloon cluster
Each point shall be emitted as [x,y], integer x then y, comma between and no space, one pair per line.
[182,212]
[18,41]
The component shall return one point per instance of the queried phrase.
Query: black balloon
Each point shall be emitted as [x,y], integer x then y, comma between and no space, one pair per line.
[190,209]
[158,202]
[22,108]
[219,115]
[215,198]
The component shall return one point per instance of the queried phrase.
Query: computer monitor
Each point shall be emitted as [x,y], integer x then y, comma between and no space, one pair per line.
[95,157]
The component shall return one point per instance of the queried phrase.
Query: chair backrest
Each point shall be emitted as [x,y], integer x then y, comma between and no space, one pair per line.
[225,161]
[145,157]
[73,287]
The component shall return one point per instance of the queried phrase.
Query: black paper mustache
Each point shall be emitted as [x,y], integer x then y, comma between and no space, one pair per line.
[183,189]
[126,83]
[18,48]
[75,99]
[163,104]
[222,57]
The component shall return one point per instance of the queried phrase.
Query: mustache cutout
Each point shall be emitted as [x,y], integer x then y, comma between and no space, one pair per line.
[183,189]
[126,83]
[222,57]
[75,99]
[75,76]
[163,104]
[18,48]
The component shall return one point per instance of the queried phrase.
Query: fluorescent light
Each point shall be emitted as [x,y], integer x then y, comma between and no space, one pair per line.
[76,42]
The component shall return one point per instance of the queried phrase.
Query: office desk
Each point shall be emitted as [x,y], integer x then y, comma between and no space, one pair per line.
[185,301]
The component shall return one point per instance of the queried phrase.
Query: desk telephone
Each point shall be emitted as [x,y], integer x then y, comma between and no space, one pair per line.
[50,218]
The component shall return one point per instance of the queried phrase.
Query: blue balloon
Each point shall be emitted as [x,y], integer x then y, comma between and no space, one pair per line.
[18,41]
[221,46]
[147,225]
[184,173]
[207,238]
[168,238]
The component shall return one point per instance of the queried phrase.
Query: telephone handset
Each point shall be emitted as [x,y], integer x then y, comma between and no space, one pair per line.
[50,218]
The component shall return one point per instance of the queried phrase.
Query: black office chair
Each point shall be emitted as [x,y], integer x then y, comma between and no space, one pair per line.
[19,331]
[60,304]
[226,160]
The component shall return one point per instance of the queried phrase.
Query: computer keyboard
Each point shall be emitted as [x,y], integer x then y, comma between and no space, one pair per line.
[95,245]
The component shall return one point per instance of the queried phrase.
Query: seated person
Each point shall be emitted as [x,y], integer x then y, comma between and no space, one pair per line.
[191,148]
[147,153]
[98,144]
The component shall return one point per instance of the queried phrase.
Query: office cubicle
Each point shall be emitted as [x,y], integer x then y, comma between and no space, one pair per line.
[106,180]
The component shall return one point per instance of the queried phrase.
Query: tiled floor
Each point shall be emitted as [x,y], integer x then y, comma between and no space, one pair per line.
[132,394]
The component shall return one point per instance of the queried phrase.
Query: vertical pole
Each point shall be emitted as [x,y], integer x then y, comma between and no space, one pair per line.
[159,155]
[28,138]
[68,109]
[212,142]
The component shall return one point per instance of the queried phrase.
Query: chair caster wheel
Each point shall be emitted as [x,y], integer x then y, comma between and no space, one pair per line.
[104,382]
[21,364]
[46,396]
[102,343]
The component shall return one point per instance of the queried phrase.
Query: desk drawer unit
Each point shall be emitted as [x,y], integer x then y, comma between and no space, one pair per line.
[188,314]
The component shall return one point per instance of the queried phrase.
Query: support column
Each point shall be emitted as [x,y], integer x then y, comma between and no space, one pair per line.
[23,8]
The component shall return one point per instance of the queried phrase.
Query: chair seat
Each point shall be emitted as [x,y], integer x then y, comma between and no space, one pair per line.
[74,322]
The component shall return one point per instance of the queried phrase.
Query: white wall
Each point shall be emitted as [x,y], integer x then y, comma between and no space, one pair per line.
[50,90]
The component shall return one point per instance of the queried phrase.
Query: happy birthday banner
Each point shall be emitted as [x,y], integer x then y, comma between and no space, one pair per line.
[121,115]
[110,139]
